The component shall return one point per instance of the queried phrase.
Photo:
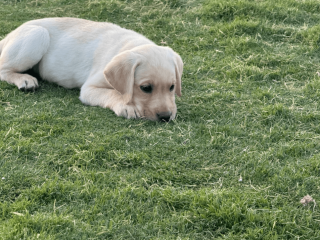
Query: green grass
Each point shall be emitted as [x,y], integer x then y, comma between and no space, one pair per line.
[250,109]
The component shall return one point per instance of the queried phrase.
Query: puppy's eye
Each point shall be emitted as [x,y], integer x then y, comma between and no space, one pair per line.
[171,88]
[146,89]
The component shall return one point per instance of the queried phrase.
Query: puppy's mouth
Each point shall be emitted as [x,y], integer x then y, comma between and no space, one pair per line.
[158,116]
[164,116]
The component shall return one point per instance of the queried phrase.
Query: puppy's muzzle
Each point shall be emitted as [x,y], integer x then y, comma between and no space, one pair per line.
[164,116]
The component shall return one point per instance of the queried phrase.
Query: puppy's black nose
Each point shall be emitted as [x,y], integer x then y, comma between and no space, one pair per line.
[164,116]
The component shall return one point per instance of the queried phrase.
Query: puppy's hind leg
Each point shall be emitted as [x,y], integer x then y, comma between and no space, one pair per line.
[21,50]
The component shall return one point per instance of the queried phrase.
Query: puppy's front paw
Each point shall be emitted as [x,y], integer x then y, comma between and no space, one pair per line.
[127,111]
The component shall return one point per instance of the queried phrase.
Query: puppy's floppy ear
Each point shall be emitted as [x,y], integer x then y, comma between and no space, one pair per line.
[178,68]
[120,73]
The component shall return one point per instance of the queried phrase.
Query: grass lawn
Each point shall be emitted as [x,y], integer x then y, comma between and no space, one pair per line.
[249,111]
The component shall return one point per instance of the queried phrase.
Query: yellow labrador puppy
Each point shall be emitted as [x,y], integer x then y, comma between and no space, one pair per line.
[115,68]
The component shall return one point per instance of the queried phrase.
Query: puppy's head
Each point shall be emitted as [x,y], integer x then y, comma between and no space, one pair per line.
[148,77]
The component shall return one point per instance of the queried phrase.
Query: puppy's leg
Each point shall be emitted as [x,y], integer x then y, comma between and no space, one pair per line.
[108,98]
[21,50]
[1,46]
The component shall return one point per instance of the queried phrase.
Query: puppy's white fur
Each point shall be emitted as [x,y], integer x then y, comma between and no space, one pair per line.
[107,62]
